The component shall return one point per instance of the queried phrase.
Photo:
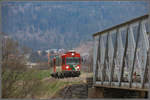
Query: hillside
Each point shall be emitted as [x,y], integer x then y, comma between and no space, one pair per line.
[43,25]
[85,48]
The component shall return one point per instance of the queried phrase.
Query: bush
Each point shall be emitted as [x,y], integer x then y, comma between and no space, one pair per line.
[17,80]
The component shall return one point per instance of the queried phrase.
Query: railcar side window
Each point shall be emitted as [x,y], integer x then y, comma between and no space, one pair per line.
[63,61]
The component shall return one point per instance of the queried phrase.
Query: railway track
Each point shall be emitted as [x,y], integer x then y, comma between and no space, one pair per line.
[67,92]
[74,91]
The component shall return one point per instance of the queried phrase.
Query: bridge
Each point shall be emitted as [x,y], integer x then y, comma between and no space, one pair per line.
[121,56]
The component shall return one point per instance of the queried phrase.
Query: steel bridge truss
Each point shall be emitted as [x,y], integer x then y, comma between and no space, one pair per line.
[121,55]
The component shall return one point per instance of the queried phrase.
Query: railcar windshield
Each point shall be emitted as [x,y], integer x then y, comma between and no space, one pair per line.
[72,60]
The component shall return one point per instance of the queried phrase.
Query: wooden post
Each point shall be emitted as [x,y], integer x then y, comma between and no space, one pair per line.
[54,61]
[48,59]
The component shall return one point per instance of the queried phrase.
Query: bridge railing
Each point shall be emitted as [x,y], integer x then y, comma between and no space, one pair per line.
[121,55]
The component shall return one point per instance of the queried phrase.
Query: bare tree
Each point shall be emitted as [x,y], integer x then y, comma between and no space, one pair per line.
[13,67]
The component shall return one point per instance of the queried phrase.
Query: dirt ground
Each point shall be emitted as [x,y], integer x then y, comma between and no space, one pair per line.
[76,87]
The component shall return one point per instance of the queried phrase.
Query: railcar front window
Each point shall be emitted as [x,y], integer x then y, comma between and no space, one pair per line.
[72,60]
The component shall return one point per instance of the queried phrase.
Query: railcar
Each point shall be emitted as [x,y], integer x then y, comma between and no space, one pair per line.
[70,65]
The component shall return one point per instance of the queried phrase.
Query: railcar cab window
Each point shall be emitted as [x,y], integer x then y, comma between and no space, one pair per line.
[72,60]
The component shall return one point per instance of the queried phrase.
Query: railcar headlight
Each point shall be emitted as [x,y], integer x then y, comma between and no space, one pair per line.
[72,54]
[67,67]
[77,67]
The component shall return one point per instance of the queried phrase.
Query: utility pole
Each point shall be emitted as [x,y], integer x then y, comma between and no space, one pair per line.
[49,59]
[48,55]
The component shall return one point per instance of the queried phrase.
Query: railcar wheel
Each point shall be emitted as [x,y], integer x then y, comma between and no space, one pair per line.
[61,75]
[57,75]
[65,74]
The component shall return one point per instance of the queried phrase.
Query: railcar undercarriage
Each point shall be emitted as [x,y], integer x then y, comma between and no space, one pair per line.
[65,74]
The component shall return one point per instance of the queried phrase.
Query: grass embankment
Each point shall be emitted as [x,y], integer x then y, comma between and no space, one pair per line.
[25,84]
[33,84]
